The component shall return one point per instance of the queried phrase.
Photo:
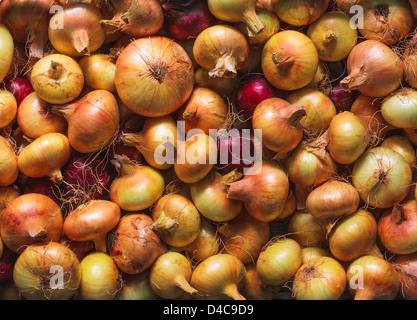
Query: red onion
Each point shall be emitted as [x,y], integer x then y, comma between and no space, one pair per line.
[121,149]
[342,99]
[43,186]
[7,261]
[337,70]
[186,19]
[253,90]
[20,88]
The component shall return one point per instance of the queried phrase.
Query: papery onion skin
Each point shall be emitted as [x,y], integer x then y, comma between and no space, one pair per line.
[300,12]
[400,109]
[289,60]
[382,177]
[6,52]
[322,278]
[100,278]
[279,261]
[29,219]
[35,277]
[154,65]
[8,108]
[405,264]
[372,278]
[9,169]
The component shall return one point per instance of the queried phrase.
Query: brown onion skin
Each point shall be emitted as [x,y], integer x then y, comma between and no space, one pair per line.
[134,246]
[406,266]
[30,219]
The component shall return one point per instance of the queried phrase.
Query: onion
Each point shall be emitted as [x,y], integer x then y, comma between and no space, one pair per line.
[319,109]
[156,141]
[264,191]
[176,220]
[222,50]
[209,195]
[411,135]
[136,287]
[386,21]
[9,169]
[100,278]
[331,201]
[307,230]
[346,5]
[279,261]
[134,246]
[405,264]
[154,76]
[396,228]
[80,248]
[400,109]
[20,88]
[244,237]
[57,78]
[137,187]
[403,146]
[321,80]
[374,69]
[170,275]
[290,206]
[333,36]
[409,61]
[300,12]
[323,278]
[7,262]
[223,86]
[279,121]
[372,278]
[354,236]
[8,108]
[92,221]
[99,70]
[81,33]
[186,20]
[35,119]
[311,253]
[39,267]
[29,219]
[252,90]
[382,177]
[289,60]
[341,99]
[254,289]
[195,157]
[206,244]
[6,52]
[120,149]
[7,195]
[45,157]
[43,186]
[136,18]
[221,274]
[204,110]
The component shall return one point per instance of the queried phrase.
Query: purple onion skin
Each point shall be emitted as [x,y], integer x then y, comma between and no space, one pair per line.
[342,100]
[42,186]
[7,261]
[231,144]
[20,88]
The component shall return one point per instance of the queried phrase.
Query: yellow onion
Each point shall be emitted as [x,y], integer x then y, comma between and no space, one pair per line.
[290,60]
[263,190]
[331,201]
[333,36]
[409,61]
[223,86]
[253,287]
[57,78]
[311,253]
[290,206]
[154,76]
[100,278]
[300,12]
[93,120]
[8,108]
[204,110]
[134,246]
[354,236]
[323,278]
[374,69]
[386,21]
[156,141]
[195,157]
[372,278]
[236,11]
[279,261]
[176,220]
[9,169]
[319,108]
[29,219]
[45,156]
[321,80]
[346,5]
[7,195]
[279,121]
[92,221]
[382,177]
[411,135]
[34,117]
[99,71]
[210,196]
[81,33]
[137,187]
[48,271]
[136,287]
[403,146]
[221,274]
[222,50]
[400,109]
[6,51]
[307,230]
[170,275]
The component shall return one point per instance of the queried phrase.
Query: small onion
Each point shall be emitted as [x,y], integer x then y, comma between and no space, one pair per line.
[307,230]
[99,71]
[9,169]
[300,12]
[254,289]
[8,108]
[136,287]
[400,109]
[35,272]
[403,146]
[6,51]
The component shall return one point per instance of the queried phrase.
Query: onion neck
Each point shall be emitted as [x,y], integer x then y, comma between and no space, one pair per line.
[329,38]
[81,41]
[100,243]
[38,235]
[56,71]
[183,284]
[297,112]
[239,190]
[137,140]
[373,250]
[225,68]
[224,180]
[188,115]
[164,223]
[254,25]
[56,176]
[355,80]
[283,61]
[397,215]
[231,291]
